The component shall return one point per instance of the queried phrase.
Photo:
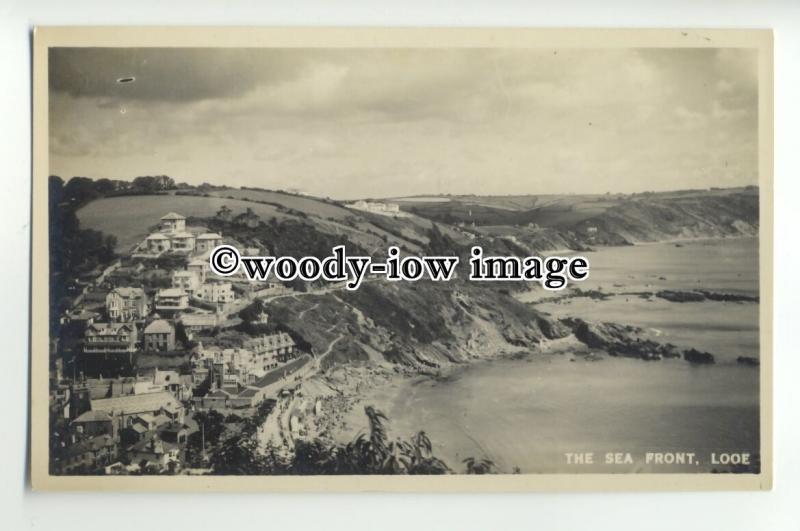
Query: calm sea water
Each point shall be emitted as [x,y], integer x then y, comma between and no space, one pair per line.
[528,413]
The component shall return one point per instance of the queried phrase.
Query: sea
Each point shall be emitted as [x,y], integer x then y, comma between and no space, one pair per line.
[527,414]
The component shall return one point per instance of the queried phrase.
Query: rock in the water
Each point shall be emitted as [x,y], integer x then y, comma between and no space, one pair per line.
[696,356]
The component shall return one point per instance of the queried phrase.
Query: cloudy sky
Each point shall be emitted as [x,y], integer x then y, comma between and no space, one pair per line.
[381,123]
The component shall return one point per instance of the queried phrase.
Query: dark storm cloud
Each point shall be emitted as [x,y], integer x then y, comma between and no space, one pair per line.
[166,74]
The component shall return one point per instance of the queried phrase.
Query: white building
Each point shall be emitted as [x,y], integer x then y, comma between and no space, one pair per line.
[182,241]
[207,242]
[200,267]
[173,222]
[219,292]
[171,299]
[157,243]
[386,209]
[279,346]
[186,280]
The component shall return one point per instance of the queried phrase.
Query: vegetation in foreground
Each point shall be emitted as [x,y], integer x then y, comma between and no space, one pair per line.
[372,453]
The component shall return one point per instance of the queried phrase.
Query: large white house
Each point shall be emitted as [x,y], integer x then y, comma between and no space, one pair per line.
[173,222]
[220,292]
[171,299]
[386,209]
[207,242]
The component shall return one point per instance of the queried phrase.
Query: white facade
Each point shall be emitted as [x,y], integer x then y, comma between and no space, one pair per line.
[187,280]
[207,242]
[220,292]
[173,222]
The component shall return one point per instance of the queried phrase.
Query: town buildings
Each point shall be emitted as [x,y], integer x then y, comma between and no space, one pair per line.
[172,223]
[88,454]
[197,322]
[126,304]
[157,243]
[186,280]
[244,365]
[279,346]
[206,242]
[126,408]
[171,300]
[217,292]
[200,267]
[159,336]
[110,338]
[182,242]
[139,419]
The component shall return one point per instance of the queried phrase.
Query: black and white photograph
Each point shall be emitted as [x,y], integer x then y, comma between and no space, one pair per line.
[538,260]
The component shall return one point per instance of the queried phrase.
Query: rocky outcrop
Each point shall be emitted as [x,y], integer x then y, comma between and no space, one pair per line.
[698,357]
[748,360]
[681,296]
[620,340]
[703,295]
[628,341]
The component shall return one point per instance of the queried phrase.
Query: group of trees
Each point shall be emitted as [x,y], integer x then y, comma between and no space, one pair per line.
[78,191]
[73,251]
[370,453]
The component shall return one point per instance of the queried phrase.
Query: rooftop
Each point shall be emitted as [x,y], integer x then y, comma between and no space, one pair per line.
[282,372]
[172,216]
[129,292]
[209,236]
[199,319]
[170,292]
[159,326]
[93,416]
[108,328]
[132,404]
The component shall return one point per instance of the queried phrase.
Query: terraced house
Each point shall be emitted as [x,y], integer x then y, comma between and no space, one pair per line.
[279,347]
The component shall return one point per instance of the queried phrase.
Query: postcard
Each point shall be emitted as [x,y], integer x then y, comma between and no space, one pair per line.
[340,259]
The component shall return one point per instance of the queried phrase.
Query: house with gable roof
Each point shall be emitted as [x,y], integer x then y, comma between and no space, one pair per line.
[159,336]
[126,304]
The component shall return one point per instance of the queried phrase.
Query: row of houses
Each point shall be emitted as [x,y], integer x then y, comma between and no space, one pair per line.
[235,394]
[157,335]
[174,236]
[131,303]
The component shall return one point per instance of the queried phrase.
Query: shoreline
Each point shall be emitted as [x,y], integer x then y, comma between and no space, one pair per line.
[343,391]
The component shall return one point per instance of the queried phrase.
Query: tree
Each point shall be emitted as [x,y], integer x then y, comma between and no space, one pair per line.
[224,213]
[80,190]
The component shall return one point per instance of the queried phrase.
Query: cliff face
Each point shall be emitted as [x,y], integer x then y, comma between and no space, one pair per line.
[421,325]
[674,217]
[426,325]
[575,222]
